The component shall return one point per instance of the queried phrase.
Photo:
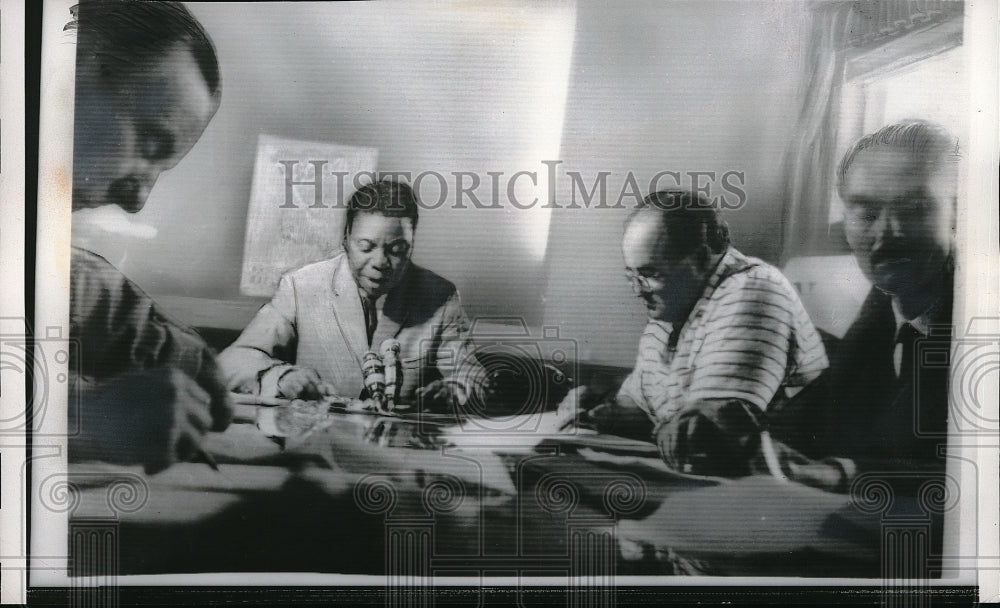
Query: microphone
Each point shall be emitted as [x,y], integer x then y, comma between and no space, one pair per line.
[390,361]
[374,377]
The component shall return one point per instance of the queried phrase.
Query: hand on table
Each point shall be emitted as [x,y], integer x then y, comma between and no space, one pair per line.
[829,474]
[598,418]
[718,438]
[440,394]
[303,383]
[221,406]
[602,413]
[154,417]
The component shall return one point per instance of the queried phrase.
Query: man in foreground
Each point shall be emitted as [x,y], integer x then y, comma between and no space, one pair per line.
[147,85]
[880,407]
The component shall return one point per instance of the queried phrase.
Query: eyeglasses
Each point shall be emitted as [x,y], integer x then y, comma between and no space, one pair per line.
[866,212]
[643,279]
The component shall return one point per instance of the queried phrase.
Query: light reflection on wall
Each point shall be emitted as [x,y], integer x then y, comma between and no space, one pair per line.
[449,88]
[551,89]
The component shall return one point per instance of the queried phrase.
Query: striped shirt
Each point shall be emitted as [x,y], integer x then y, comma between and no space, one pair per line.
[746,337]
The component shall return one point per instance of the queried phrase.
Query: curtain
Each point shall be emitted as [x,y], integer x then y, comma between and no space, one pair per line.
[839,29]
[810,156]
[877,21]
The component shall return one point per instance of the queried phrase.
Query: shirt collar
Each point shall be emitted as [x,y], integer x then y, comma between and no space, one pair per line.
[378,302]
[730,262]
[921,322]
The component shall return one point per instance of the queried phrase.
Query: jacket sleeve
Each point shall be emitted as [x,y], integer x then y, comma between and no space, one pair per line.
[118,329]
[266,348]
[456,358]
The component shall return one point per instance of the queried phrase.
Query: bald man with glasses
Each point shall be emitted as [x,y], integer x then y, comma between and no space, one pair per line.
[727,334]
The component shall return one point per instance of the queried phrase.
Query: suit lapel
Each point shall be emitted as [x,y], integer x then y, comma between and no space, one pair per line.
[347,310]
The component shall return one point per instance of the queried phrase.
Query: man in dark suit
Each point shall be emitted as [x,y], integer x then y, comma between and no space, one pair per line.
[147,85]
[883,405]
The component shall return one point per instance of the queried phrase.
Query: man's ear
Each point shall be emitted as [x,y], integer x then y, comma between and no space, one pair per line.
[702,257]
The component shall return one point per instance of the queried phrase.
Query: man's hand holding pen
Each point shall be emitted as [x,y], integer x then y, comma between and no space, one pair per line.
[587,409]
[155,417]
[440,395]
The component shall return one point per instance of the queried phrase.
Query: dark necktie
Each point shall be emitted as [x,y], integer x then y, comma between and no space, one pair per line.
[907,337]
[371,317]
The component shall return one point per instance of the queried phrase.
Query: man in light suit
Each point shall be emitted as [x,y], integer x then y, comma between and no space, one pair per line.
[310,339]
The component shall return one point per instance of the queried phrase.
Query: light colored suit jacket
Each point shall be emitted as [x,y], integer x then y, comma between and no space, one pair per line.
[316,320]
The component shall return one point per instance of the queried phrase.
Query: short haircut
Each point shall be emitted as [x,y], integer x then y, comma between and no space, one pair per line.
[122,34]
[689,221]
[388,197]
[928,144]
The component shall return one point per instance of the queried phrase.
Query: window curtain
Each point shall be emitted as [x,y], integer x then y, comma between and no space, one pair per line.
[840,29]
[810,155]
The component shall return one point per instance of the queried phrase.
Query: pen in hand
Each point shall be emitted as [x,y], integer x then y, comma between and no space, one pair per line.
[575,420]
[771,457]
[575,411]
[207,458]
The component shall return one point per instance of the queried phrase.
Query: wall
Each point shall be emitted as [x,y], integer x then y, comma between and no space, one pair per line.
[641,87]
[463,88]
[705,86]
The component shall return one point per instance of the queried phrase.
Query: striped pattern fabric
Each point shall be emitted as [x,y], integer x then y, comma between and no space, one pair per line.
[747,337]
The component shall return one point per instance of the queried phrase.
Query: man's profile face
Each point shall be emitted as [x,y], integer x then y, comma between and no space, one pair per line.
[131,127]
[378,251]
[667,288]
[897,220]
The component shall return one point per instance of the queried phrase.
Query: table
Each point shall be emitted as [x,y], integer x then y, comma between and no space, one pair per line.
[364,494]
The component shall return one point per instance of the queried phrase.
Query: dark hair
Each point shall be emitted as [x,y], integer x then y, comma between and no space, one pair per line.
[689,221]
[927,143]
[388,197]
[123,33]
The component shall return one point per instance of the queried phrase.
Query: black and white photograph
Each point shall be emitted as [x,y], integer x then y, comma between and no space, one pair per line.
[556,303]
